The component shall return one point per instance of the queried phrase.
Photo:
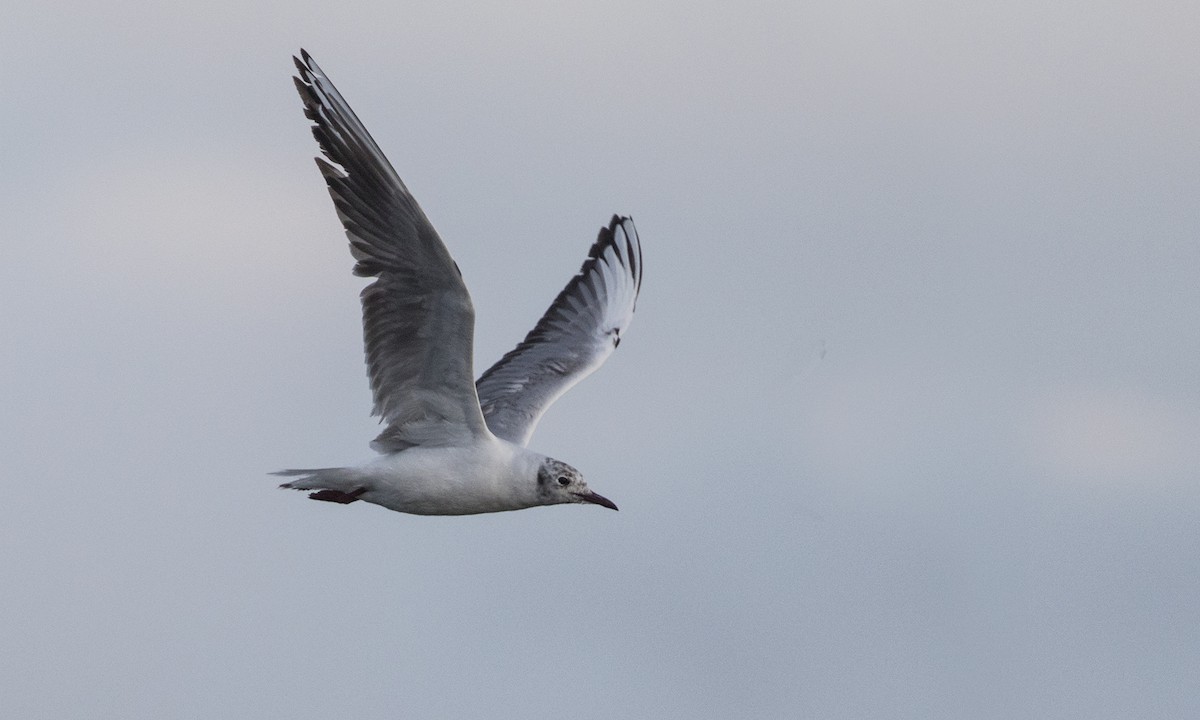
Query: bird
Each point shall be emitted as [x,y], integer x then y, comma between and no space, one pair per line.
[452,445]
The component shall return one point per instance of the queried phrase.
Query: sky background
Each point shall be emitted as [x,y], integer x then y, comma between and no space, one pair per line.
[906,425]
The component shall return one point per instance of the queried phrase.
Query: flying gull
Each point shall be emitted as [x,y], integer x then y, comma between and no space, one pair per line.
[452,446]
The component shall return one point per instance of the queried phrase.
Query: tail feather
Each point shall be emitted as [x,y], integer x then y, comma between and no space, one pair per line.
[341,485]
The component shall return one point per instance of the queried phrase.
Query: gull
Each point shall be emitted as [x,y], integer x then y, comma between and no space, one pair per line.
[452,446]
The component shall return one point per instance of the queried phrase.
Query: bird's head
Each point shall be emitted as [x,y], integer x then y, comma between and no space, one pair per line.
[558,482]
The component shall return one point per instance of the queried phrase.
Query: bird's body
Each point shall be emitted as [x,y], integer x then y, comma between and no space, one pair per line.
[485,476]
[453,446]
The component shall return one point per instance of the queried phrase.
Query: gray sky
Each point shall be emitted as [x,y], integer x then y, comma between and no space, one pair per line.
[906,425]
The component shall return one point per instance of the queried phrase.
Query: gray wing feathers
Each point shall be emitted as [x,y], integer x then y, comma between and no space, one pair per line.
[575,336]
[418,321]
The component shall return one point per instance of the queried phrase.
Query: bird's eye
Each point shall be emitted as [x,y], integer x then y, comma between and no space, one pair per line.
[564,481]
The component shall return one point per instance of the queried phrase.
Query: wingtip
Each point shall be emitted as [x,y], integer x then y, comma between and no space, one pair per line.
[307,66]
[301,62]
[633,245]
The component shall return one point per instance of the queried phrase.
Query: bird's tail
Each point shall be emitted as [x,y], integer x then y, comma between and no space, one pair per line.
[340,485]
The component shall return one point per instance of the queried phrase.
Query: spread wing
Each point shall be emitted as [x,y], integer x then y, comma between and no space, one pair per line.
[576,335]
[418,321]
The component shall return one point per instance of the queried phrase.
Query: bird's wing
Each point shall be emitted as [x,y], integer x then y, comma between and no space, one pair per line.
[418,320]
[576,335]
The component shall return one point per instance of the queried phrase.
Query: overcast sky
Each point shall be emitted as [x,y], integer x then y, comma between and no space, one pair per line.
[906,425]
